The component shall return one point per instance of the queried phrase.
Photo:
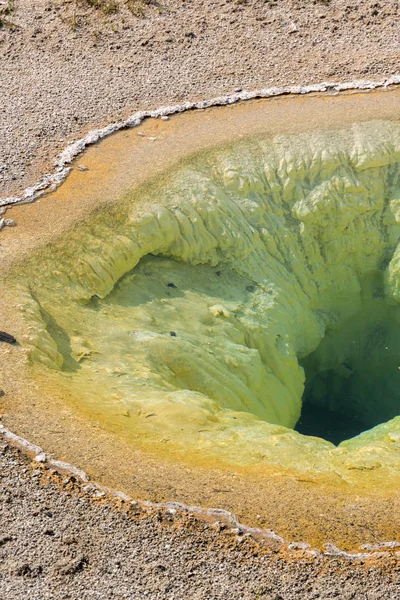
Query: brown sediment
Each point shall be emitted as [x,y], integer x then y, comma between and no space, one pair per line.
[313,508]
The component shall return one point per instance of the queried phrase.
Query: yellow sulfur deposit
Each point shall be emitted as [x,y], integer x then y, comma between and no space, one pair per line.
[192,311]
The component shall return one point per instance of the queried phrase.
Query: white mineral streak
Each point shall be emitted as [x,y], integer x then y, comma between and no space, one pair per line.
[20,442]
[51,181]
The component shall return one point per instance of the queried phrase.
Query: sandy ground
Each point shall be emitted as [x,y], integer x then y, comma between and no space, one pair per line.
[66,68]
[60,544]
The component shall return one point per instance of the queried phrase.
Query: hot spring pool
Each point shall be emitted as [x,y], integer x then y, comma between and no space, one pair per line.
[238,309]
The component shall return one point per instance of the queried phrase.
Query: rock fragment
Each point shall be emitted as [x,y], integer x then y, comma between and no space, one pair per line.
[7,337]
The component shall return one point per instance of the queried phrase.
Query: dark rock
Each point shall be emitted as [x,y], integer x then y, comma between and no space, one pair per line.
[7,337]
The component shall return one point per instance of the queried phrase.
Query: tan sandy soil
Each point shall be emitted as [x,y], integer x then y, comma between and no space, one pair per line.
[58,540]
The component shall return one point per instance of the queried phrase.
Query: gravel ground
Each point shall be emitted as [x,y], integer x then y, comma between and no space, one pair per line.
[58,543]
[67,67]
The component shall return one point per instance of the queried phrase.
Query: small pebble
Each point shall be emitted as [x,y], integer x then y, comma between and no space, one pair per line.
[7,337]
[83,168]
[49,532]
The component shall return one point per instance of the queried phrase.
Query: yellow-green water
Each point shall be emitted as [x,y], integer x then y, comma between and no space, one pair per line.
[183,314]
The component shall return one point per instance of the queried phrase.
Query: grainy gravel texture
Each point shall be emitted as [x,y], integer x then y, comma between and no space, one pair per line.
[67,67]
[57,541]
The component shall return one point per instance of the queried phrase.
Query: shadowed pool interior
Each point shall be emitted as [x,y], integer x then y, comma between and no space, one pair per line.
[353,377]
[328,424]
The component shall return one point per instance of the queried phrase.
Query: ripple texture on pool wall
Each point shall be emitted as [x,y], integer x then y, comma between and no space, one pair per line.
[185,313]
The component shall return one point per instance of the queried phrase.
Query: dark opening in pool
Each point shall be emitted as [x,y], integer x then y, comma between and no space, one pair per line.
[328,424]
[353,377]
